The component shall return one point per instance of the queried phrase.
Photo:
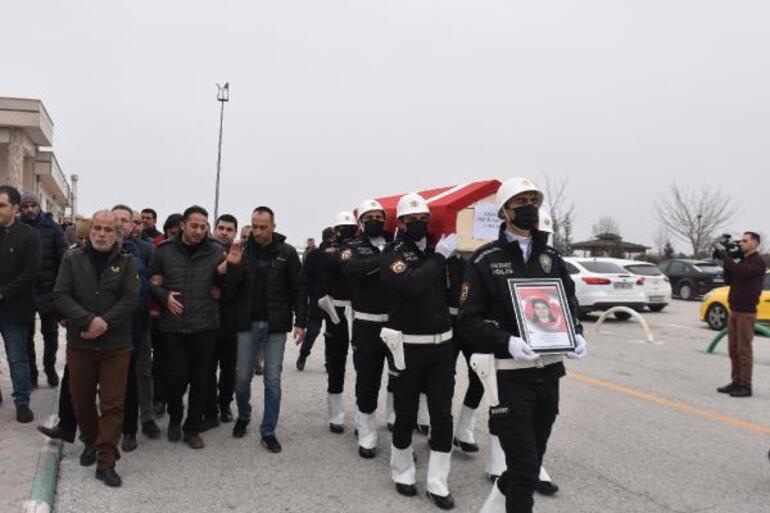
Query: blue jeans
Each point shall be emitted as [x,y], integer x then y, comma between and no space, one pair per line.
[272,346]
[15,338]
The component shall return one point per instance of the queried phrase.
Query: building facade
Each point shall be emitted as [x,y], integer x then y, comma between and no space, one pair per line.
[26,159]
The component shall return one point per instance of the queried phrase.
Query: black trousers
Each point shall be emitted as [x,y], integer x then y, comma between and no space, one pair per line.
[224,358]
[369,356]
[523,424]
[158,372]
[187,360]
[313,330]
[67,419]
[336,352]
[475,388]
[430,368]
[49,327]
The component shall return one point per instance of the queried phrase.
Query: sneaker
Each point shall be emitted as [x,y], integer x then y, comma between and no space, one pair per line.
[109,477]
[239,429]
[151,430]
[174,432]
[88,456]
[301,362]
[23,414]
[728,388]
[741,391]
[194,441]
[270,442]
[129,443]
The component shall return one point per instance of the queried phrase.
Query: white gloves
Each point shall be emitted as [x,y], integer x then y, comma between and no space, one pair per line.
[520,350]
[447,246]
[581,348]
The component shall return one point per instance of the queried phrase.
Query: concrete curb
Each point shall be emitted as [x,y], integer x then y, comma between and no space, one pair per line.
[43,492]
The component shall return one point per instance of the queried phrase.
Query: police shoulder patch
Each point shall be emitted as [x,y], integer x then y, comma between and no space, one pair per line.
[546,263]
[346,254]
[464,291]
[398,267]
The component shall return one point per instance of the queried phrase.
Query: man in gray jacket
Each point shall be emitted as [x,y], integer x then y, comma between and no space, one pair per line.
[183,277]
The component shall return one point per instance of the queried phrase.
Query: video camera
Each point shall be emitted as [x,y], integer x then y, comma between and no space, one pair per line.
[725,247]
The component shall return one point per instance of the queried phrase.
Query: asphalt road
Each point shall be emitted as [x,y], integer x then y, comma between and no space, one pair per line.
[641,429]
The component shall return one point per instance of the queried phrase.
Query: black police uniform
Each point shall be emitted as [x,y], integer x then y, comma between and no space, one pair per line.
[336,335]
[529,396]
[361,266]
[415,281]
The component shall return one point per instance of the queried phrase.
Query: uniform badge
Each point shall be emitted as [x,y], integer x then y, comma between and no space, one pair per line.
[115,269]
[464,291]
[398,267]
[546,263]
[346,255]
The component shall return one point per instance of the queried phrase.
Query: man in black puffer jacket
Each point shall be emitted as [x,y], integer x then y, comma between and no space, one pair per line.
[52,249]
[265,277]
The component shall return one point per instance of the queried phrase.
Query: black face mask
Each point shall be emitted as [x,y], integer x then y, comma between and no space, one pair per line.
[374,228]
[526,217]
[416,230]
[346,232]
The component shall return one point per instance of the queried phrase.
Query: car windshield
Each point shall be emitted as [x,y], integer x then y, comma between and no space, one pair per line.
[708,268]
[603,267]
[644,270]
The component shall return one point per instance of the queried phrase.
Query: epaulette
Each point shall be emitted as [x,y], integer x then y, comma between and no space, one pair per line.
[485,250]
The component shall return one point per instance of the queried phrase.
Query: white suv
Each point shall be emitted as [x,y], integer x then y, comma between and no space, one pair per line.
[601,284]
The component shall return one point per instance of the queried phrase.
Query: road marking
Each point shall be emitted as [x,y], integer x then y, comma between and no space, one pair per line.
[673,404]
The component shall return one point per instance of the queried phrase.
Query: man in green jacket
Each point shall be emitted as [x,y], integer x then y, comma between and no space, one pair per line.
[97,291]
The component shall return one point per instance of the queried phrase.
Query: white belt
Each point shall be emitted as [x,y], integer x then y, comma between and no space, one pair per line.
[511,364]
[438,338]
[362,316]
[454,311]
[341,303]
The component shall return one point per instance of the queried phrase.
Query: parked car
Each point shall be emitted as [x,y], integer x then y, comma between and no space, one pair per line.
[692,278]
[601,284]
[657,286]
[714,309]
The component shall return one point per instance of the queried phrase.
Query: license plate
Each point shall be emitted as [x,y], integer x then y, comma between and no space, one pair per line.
[623,286]
[656,299]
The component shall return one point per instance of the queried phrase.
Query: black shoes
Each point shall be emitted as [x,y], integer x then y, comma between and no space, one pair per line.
[174,432]
[546,488]
[367,454]
[406,490]
[88,456]
[129,443]
[209,423]
[23,414]
[225,414]
[151,430]
[741,391]
[447,502]
[466,447]
[52,377]
[728,388]
[57,433]
[337,429]
[194,441]
[270,443]
[239,429]
[109,477]
[301,362]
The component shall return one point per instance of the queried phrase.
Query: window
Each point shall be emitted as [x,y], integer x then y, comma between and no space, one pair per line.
[644,270]
[603,267]
[677,268]
[708,268]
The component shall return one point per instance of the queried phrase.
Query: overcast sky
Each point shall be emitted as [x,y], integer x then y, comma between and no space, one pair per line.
[334,101]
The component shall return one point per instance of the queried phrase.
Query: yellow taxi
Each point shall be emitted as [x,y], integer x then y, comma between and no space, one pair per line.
[714,309]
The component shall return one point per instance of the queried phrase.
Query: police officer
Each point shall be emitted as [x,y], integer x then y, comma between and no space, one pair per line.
[335,304]
[419,334]
[527,383]
[361,266]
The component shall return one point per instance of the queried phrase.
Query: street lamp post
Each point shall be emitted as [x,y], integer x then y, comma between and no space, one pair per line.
[223,95]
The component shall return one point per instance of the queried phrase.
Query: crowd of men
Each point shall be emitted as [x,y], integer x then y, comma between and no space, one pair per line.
[198,310]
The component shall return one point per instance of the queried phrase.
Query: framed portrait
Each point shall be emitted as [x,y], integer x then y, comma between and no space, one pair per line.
[543,315]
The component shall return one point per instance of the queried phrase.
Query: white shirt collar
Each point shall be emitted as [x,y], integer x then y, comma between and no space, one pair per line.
[378,242]
[525,243]
[422,243]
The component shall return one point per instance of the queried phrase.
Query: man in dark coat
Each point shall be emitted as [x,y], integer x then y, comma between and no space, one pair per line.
[52,248]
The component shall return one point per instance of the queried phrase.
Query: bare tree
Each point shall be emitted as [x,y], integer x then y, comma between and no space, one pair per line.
[662,239]
[562,213]
[695,216]
[606,225]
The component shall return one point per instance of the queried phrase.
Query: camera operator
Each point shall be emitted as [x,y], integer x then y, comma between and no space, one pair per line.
[745,275]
